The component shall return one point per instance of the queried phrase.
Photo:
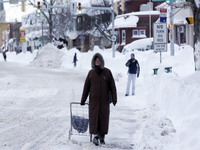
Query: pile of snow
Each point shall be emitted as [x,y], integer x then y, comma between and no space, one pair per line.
[49,56]
[21,58]
[155,131]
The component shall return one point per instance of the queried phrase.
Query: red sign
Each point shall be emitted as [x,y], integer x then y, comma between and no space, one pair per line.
[163,10]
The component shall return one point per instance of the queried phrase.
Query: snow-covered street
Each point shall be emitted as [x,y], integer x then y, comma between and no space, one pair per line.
[35,110]
[36,91]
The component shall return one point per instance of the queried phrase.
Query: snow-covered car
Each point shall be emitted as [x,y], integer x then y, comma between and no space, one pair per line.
[141,45]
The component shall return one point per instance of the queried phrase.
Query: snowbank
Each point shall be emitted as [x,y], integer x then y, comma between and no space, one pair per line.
[21,58]
[49,56]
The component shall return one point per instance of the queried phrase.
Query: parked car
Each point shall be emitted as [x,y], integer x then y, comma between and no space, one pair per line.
[141,45]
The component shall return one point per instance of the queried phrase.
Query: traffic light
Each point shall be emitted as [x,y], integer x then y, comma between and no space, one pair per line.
[38,12]
[79,6]
[190,20]
[38,5]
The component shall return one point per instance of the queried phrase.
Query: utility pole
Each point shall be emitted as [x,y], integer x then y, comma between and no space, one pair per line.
[149,18]
[171,29]
[113,30]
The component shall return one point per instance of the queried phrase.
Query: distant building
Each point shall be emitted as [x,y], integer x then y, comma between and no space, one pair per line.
[134,26]
[10,34]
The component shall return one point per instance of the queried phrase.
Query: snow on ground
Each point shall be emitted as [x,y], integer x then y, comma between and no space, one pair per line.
[35,101]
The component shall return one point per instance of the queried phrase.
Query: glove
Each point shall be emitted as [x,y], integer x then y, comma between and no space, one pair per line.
[114,103]
[138,75]
[82,103]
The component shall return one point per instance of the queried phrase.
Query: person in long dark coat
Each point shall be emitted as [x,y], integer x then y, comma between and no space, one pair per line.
[98,84]
[4,56]
[75,59]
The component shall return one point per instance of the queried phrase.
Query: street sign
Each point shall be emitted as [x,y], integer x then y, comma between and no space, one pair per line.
[160,33]
[160,37]
[163,10]
[163,15]
[113,38]
[45,6]
[160,47]
[22,35]
[82,37]
[163,19]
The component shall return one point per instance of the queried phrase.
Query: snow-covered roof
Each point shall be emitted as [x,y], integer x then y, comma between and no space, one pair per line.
[142,13]
[125,21]
[130,19]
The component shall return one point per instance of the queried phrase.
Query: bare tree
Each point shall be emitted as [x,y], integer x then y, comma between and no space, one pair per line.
[49,16]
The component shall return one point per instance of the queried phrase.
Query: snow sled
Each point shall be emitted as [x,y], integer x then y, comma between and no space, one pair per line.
[79,120]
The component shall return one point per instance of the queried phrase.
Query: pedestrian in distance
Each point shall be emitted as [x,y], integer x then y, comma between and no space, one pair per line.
[133,72]
[75,59]
[98,84]
[4,53]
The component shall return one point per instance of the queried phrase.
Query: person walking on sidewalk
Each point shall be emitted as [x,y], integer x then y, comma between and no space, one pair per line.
[133,71]
[98,84]
[75,59]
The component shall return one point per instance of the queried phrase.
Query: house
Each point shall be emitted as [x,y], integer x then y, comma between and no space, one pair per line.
[10,34]
[144,10]
[134,26]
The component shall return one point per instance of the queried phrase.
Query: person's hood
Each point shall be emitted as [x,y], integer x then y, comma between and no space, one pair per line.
[100,58]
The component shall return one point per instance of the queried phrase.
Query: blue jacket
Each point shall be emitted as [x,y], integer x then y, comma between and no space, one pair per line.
[133,65]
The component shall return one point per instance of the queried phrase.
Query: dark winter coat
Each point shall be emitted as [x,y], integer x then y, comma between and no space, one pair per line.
[4,56]
[75,58]
[133,66]
[97,86]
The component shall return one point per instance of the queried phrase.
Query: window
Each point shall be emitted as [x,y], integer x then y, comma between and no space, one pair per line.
[138,33]
[142,32]
[123,37]
[181,29]
[135,33]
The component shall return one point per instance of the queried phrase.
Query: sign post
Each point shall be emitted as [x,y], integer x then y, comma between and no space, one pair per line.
[160,38]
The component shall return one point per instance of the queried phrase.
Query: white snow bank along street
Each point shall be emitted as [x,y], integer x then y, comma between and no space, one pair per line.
[49,56]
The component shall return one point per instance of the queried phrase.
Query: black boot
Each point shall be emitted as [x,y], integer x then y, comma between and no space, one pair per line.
[102,141]
[96,140]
